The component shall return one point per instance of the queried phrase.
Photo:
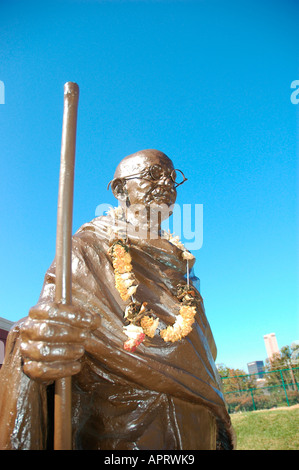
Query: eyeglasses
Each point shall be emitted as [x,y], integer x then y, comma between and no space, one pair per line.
[156,173]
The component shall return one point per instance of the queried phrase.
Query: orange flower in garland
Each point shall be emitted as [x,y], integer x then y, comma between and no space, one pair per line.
[121,258]
[125,281]
[182,326]
[149,325]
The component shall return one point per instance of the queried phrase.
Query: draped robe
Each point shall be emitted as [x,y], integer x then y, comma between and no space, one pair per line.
[162,396]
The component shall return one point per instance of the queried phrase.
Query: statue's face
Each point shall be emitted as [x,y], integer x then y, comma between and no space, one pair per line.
[145,189]
[149,179]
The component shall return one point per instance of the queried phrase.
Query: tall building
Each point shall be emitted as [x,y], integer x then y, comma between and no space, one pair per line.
[271,345]
[256,367]
[5,326]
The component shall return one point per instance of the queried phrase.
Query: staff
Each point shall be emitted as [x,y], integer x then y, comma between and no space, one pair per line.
[63,294]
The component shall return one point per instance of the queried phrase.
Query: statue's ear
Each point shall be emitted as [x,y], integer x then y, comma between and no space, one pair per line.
[119,189]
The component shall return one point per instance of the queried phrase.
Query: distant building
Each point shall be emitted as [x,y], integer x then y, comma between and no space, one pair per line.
[271,345]
[5,326]
[256,367]
[295,353]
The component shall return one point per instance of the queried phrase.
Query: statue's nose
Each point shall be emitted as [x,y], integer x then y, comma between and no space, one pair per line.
[167,181]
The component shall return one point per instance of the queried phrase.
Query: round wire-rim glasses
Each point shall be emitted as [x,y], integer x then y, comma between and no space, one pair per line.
[156,172]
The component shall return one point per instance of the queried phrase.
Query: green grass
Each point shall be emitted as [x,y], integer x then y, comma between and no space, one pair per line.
[267,430]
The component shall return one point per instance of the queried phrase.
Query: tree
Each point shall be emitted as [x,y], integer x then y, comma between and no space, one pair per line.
[234,380]
[285,359]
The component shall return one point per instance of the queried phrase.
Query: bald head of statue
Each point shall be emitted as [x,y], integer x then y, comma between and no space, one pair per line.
[145,177]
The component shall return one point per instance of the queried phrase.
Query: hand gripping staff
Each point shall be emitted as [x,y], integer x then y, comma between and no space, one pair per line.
[63,294]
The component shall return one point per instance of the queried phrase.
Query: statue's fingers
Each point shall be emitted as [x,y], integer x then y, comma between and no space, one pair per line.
[62,313]
[47,372]
[47,352]
[51,332]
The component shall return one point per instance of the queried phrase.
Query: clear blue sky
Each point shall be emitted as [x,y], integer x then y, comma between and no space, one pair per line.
[207,82]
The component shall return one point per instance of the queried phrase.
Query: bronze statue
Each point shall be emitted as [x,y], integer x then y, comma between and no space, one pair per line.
[135,340]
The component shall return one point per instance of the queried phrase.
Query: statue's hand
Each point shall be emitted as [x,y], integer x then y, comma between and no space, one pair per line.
[53,339]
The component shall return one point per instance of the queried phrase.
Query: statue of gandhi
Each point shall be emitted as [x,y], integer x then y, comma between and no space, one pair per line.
[135,340]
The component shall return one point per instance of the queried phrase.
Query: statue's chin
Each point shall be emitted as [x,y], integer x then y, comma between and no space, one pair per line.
[151,213]
[164,209]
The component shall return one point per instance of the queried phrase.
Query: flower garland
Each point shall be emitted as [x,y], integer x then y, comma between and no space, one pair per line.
[142,321]
[125,281]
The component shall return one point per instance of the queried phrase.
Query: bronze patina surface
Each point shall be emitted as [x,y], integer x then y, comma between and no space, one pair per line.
[162,396]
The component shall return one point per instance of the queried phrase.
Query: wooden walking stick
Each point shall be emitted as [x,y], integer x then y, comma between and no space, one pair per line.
[62,413]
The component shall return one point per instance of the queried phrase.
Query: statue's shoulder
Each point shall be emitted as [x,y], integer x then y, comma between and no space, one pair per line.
[98,227]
